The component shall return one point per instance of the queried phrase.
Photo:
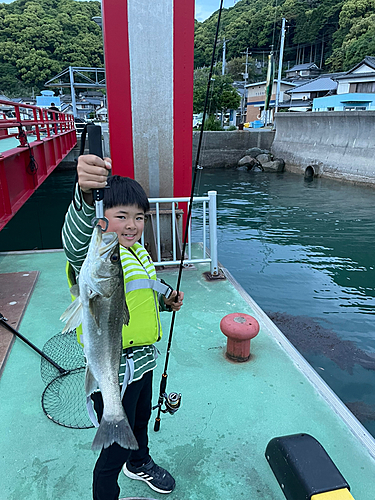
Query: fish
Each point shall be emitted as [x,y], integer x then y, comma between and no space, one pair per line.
[101,308]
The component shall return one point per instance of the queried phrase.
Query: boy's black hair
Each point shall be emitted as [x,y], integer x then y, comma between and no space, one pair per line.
[124,191]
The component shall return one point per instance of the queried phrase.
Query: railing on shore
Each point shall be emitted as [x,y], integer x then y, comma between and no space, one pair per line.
[167,235]
[38,122]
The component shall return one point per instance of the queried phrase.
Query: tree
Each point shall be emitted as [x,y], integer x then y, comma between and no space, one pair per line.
[222,95]
[39,38]
[236,68]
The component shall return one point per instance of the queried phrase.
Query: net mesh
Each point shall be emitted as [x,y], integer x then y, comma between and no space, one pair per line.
[64,398]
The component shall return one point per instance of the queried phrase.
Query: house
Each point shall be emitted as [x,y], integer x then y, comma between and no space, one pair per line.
[301,96]
[47,99]
[25,100]
[256,98]
[302,71]
[355,90]
[101,114]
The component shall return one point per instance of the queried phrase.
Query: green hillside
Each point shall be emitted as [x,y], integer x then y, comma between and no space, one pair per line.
[39,38]
[337,34]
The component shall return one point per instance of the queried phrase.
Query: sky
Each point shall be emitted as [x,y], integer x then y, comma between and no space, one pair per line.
[203,8]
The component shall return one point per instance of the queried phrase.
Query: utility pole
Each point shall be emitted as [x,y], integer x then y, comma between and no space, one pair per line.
[244,97]
[280,65]
[72,91]
[224,62]
[321,55]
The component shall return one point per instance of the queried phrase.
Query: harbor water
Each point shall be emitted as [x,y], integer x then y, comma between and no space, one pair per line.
[302,250]
[305,252]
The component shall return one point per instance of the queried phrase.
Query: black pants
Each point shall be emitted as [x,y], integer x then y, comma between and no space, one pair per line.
[137,405]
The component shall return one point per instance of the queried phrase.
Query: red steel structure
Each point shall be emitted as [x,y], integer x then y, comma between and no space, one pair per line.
[119,94]
[24,168]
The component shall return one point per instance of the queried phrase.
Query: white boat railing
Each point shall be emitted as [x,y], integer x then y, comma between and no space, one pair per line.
[204,231]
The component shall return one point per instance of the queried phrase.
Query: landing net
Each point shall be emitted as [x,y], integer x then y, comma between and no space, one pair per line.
[64,398]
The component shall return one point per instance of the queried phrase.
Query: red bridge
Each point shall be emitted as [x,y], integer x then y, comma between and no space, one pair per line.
[33,141]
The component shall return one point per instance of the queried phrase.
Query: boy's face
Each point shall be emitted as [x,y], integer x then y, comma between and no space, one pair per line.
[127,221]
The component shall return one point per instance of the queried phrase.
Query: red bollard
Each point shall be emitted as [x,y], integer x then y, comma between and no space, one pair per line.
[239,329]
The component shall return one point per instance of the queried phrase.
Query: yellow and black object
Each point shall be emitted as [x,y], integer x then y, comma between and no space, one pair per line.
[304,469]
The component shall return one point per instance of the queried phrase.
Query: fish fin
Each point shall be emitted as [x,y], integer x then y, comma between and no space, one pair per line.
[90,382]
[72,316]
[74,290]
[114,432]
[126,318]
[94,309]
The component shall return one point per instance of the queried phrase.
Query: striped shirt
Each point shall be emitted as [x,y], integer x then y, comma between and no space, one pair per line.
[76,234]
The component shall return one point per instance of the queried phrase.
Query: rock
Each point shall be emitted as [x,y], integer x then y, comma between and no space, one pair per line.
[264,158]
[274,166]
[244,161]
[247,163]
[254,152]
[282,164]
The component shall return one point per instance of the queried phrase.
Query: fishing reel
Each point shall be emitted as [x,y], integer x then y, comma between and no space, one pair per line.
[171,401]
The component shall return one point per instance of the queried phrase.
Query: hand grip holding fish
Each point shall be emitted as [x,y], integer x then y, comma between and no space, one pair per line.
[98,195]
[94,133]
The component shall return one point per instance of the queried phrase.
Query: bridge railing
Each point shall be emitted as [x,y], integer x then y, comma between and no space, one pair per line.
[33,141]
[32,120]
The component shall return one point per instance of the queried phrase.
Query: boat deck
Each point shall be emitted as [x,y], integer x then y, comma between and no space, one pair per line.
[13,142]
[215,444]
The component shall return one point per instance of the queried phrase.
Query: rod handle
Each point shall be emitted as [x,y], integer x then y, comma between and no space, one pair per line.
[157,424]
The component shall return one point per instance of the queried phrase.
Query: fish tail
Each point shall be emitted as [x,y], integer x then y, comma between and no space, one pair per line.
[110,432]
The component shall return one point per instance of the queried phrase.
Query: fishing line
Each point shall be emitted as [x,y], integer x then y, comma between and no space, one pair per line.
[204,142]
[163,398]
[274,25]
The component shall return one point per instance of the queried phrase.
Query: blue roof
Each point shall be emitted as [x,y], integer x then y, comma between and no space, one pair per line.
[299,67]
[316,85]
[90,100]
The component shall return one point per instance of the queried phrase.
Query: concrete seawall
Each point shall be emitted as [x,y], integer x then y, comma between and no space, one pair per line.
[225,149]
[339,145]
[219,149]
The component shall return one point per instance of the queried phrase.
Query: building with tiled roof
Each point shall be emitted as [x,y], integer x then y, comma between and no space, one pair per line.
[355,89]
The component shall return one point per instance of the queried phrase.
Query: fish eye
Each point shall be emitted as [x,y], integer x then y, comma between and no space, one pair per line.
[114,257]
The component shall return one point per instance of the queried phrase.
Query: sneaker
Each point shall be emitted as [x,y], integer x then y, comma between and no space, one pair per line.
[156,477]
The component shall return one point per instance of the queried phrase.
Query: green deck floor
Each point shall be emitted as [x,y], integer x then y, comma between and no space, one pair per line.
[13,142]
[215,444]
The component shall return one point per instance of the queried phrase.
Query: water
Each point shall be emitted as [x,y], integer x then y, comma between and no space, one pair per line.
[37,225]
[303,251]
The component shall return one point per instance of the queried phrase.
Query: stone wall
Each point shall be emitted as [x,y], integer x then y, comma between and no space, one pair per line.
[225,149]
[338,145]
[219,149]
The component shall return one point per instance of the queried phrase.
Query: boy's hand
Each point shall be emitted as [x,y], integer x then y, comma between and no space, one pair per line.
[92,174]
[175,306]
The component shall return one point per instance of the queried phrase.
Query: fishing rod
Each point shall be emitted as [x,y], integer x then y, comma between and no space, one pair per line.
[3,321]
[94,133]
[173,400]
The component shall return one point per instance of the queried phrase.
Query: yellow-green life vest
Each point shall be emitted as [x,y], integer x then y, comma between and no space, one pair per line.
[141,287]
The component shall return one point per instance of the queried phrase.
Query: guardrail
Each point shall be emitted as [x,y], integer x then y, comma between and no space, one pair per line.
[167,234]
[33,141]
[39,122]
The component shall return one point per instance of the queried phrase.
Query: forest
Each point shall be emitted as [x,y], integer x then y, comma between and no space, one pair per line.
[39,38]
[335,34]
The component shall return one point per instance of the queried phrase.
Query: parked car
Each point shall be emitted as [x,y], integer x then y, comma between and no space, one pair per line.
[79,124]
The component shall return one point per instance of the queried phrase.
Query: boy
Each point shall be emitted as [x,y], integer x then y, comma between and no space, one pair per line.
[125,205]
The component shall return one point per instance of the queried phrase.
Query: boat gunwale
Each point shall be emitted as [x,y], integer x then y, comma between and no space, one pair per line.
[322,388]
